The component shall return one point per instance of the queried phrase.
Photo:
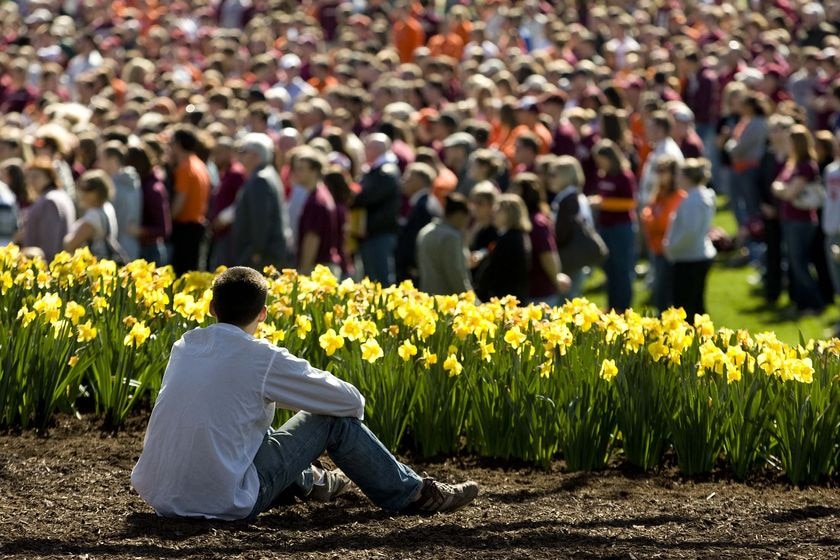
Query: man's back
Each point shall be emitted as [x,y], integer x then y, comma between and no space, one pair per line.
[215,405]
[261,220]
[441,259]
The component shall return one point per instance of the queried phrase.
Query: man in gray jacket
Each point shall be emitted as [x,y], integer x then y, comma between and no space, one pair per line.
[261,233]
[441,253]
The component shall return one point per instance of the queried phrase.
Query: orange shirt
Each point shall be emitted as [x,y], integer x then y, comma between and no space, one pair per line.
[193,181]
[509,146]
[408,36]
[656,217]
[445,183]
[450,45]
[464,29]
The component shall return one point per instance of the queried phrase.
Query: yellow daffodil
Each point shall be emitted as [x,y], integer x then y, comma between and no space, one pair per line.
[331,342]
[407,350]
[74,312]
[515,337]
[608,370]
[429,358]
[452,365]
[86,332]
[138,335]
[371,351]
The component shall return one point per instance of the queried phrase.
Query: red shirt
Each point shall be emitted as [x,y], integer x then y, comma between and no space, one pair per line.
[618,186]
[319,216]
[542,241]
[809,171]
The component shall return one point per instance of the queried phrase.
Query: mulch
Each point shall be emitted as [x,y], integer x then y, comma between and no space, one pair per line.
[68,496]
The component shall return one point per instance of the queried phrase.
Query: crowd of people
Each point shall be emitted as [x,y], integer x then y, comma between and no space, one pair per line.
[499,146]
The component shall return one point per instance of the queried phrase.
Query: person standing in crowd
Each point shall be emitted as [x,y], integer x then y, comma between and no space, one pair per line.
[546,282]
[687,244]
[52,214]
[616,205]
[505,271]
[659,128]
[380,197]
[319,237]
[222,209]
[156,222]
[190,200]
[441,252]
[128,196]
[799,225]
[656,218]
[745,149]
[831,222]
[571,212]
[772,163]
[260,231]
[417,189]
[98,228]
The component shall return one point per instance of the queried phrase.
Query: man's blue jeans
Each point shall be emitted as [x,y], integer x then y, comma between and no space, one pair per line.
[378,258]
[804,290]
[620,266]
[285,456]
[833,263]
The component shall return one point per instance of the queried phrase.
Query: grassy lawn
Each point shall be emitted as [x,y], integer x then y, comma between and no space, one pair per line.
[732,302]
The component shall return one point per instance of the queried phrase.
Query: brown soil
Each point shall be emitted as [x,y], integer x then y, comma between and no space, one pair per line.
[68,496]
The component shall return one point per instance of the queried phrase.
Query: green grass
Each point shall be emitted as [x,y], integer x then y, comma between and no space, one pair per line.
[732,302]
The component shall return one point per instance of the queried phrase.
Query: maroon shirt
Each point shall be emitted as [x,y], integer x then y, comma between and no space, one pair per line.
[692,145]
[157,219]
[542,241]
[225,194]
[809,171]
[319,216]
[619,185]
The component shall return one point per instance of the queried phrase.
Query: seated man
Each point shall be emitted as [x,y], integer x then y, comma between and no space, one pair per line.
[210,452]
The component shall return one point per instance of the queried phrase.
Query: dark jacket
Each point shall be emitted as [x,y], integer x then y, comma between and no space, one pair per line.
[506,268]
[260,223]
[380,197]
[406,256]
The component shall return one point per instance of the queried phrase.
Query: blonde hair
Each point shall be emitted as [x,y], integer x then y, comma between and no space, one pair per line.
[515,211]
[698,171]
[568,171]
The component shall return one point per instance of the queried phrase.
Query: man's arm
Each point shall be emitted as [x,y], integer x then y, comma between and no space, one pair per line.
[308,252]
[294,384]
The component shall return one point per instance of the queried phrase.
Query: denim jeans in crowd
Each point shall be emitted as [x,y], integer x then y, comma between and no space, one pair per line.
[378,258]
[797,237]
[285,456]
[620,266]
[155,253]
[833,260]
[662,291]
[745,196]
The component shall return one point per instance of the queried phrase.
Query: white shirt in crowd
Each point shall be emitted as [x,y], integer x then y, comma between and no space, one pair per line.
[831,208]
[215,405]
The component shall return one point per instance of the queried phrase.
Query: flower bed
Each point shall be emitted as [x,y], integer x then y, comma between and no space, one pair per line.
[440,373]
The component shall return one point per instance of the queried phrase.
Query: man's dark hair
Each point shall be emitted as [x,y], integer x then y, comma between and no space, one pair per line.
[239,295]
[456,203]
[186,138]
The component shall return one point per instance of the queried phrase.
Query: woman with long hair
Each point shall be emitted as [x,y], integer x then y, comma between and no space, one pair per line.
[97,228]
[656,216]
[546,281]
[799,226]
[506,268]
[616,221]
[687,244]
[51,215]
